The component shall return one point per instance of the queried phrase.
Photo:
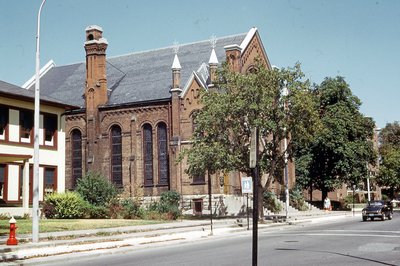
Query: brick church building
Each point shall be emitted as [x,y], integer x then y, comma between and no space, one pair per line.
[136,111]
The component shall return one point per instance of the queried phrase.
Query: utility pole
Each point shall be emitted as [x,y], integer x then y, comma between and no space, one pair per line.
[285,93]
[254,166]
[210,201]
[35,200]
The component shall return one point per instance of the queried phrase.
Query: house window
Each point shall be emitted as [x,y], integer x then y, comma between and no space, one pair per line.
[50,129]
[26,125]
[199,179]
[193,118]
[76,137]
[49,180]
[116,156]
[21,182]
[3,122]
[148,155]
[2,180]
[163,168]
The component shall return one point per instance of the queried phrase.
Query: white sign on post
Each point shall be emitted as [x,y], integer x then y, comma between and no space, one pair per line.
[247,185]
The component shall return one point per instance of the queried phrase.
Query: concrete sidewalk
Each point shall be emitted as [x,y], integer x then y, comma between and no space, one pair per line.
[106,239]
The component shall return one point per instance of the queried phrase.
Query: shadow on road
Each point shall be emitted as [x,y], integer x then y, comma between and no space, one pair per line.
[336,253]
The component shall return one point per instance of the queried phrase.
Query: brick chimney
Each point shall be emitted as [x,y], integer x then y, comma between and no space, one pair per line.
[96,78]
[95,91]
[233,55]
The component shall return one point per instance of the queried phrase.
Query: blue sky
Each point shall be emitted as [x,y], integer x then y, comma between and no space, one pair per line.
[358,40]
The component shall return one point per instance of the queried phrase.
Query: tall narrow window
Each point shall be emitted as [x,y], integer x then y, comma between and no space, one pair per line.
[116,156]
[50,129]
[3,122]
[198,179]
[148,155]
[26,125]
[49,180]
[163,169]
[2,180]
[76,144]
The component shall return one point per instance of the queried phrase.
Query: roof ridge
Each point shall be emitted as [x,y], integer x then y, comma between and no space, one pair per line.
[153,50]
[172,46]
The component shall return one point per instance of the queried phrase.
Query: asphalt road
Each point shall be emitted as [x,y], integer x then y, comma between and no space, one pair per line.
[346,242]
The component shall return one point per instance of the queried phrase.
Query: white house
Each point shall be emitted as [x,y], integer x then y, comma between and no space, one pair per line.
[16,148]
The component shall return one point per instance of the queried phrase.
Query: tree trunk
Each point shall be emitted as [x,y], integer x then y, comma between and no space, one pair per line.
[324,194]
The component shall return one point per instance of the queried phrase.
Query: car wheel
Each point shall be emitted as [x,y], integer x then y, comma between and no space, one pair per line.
[364,218]
[383,217]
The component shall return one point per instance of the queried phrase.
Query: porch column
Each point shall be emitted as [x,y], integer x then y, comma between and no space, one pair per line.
[25,187]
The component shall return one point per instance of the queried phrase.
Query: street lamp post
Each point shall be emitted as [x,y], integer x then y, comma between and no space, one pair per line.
[368,189]
[35,201]
[285,93]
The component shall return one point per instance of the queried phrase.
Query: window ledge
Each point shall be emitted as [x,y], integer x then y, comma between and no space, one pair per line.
[198,183]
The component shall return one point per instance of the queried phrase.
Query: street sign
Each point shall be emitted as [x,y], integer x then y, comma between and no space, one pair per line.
[247,185]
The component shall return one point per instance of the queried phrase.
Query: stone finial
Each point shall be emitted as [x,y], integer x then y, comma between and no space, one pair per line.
[176,65]
[213,58]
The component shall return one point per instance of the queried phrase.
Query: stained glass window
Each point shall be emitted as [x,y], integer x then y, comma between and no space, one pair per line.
[148,154]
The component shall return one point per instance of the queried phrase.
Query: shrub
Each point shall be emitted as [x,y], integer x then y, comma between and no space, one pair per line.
[169,204]
[297,200]
[97,212]
[167,208]
[271,202]
[115,209]
[170,198]
[131,209]
[68,205]
[96,189]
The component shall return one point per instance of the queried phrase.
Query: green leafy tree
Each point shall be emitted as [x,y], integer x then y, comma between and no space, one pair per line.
[343,147]
[245,101]
[389,170]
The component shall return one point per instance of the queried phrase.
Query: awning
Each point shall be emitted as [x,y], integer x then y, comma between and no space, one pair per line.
[13,158]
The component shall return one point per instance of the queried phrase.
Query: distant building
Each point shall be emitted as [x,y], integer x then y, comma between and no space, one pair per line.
[136,111]
[16,147]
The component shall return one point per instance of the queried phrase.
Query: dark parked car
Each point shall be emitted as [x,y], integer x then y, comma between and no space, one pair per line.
[378,209]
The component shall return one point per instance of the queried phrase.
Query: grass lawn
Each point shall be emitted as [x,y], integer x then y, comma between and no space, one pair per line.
[56,225]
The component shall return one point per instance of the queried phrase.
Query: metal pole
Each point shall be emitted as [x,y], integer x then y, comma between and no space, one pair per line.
[209,202]
[247,210]
[354,187]
[286,177]
[285,92]
[35,206]
[369,190]
[255,205]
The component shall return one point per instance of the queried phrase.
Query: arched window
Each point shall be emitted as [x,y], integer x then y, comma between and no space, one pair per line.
[148,155]
[163,166]
[116,156]
[76,143]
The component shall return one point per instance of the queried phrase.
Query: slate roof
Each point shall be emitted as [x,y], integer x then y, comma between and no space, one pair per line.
[14,91]
[137,77]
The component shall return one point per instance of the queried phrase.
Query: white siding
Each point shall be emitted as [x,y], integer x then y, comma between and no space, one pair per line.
[13,182]
[40,183]
[41,131]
